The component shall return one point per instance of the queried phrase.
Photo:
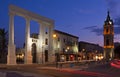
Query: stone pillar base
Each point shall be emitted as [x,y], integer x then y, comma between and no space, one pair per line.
[108,54]
[11,57]
[41,58]
[28,59]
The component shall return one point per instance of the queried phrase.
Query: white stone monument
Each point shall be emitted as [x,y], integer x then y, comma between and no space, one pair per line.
[44,23]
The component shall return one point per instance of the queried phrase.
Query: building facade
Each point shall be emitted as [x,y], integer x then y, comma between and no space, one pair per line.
[90,47]
[108,34]
[65,46]
[90,51]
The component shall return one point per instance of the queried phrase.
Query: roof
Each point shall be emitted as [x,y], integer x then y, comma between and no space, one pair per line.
[66,33]
[108,20]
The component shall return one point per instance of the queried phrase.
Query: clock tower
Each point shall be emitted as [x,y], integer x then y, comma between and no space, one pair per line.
[108,34]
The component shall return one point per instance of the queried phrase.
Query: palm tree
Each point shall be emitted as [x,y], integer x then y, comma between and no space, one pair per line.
[3,44]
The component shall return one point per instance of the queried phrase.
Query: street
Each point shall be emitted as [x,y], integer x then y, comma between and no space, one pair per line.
[38,70]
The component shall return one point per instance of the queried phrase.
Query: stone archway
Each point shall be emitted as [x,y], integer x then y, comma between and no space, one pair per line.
[46,55]
[34,53]
[43,21]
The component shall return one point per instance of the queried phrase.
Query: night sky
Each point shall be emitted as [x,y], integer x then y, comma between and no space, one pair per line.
[83,18]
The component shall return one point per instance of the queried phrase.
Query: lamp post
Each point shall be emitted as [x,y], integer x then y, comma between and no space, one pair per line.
[83,53]
[55,36]
[56,53]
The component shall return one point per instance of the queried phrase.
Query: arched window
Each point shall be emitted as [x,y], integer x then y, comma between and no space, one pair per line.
[34,53]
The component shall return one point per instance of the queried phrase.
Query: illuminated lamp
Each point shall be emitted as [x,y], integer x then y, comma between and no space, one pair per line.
[54,35]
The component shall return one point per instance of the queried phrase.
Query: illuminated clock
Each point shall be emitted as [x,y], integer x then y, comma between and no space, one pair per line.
[110,22]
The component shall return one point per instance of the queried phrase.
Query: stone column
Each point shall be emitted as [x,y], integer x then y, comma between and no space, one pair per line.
[41,41]
[39,57]
[28,55]
[11,58]
[51,51]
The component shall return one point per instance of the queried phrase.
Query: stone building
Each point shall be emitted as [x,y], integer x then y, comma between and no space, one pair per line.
[89,50]
[89,47]
[65,46]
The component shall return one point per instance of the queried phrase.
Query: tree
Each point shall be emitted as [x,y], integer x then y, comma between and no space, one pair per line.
[117,52]
[3,44]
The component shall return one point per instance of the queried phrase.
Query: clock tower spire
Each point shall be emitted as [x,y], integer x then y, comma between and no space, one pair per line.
[108,34]
[108,16]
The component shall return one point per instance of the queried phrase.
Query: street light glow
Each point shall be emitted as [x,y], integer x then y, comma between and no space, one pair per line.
[54,35]
[68,48]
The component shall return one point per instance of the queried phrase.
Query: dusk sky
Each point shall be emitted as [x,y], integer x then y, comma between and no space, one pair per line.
[83,18]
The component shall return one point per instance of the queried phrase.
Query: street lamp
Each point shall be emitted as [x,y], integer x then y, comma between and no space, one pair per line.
[56,52]
[68,48]
[83,54]
[54,35]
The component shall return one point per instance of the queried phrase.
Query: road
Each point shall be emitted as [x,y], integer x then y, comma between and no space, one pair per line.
[37,70]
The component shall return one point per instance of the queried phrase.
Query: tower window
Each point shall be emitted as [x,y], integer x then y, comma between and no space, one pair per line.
[107,42]
[106,30]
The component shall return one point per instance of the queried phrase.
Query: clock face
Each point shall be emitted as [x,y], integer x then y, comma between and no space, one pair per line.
[110,22]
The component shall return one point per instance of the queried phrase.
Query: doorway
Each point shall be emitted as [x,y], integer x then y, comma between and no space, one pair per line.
[46,55]
[33,53]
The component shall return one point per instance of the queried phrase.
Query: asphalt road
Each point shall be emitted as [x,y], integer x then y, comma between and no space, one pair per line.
[36,70]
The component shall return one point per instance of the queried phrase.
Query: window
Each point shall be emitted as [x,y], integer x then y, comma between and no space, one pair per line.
[107,30]
[46,41]
[58,39]
[46,30]
[107,42]
[32,40]
[64,40]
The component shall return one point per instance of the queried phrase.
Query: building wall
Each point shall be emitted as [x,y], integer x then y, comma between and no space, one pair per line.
[65,44]
[90,51]
[89,47]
